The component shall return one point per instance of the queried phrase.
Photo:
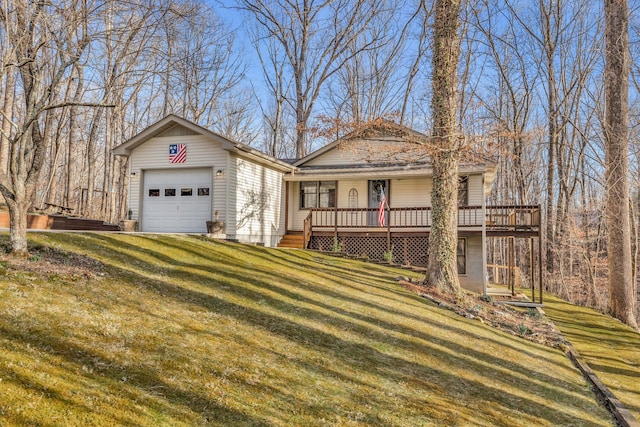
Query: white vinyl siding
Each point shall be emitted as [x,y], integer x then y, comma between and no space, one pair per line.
[154,154]
[476,192]
[403,193]
[258,201]
[360,186]
[354,152]
[297,215]
[410,192]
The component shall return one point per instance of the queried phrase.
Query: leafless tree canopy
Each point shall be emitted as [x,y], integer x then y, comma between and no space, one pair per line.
[533,89]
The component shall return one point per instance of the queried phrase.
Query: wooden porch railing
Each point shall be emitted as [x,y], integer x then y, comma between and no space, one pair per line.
[306,231]
[516,217]
[495,217]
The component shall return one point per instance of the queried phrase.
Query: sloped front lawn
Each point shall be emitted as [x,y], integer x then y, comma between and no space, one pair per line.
[176,330]
[611,348]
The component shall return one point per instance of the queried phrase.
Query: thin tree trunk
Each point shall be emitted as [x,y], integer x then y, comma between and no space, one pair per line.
[9,95]
[70,199]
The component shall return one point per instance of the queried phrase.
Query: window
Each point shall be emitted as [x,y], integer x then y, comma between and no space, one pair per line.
[327,194]
[308,194]
[463,191]
[154,192]
[203,191]
[317,194]
[186,192]
[169,192]
[461,255]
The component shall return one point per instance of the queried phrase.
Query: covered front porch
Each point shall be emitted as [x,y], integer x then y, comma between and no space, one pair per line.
[404,238]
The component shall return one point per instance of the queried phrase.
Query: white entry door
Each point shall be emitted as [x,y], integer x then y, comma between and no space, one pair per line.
[176,200]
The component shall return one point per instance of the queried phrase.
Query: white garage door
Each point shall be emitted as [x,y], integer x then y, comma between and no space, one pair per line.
[176,200]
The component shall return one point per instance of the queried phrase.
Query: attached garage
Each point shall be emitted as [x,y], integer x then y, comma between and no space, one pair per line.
[176,200]
[182,175]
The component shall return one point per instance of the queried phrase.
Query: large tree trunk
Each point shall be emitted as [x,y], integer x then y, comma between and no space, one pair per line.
[19,195]
[442,269]
[622,298]
[18,214]
[443,239]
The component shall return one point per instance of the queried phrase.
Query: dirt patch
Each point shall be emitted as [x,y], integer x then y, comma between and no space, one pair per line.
[49,261]
[529,323]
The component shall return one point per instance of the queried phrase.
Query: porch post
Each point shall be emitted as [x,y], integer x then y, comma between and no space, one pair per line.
[484,244]
[335,221]
[511,263]
[388,228]
[532,268]
[540,263]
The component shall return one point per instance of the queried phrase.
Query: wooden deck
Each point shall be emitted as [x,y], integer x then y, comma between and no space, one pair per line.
[493,219]
[405,233]
[61,222]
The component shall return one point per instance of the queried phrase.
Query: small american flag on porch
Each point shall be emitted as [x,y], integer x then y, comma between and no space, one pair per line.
[177,153]
[381,208]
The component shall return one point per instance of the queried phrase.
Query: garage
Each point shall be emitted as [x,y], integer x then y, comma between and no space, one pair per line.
[182,175]
[176,200]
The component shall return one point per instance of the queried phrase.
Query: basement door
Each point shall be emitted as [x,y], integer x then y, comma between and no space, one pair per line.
[176,200]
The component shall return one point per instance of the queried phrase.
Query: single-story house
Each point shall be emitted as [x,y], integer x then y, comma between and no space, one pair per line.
[367,194]
[338,189]
[182,175]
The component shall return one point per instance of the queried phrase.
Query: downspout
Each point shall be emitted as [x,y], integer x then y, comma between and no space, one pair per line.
[484,239]
[226,190]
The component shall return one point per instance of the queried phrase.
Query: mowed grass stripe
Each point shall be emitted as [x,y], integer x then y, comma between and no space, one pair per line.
[182,330]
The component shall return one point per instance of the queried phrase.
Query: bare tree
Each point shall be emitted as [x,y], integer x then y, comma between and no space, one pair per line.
[508,101]
[371,83]
[7,110]
[621,286]
[442,269]
[273,109]
[203,64]
[315,37]
[47,39]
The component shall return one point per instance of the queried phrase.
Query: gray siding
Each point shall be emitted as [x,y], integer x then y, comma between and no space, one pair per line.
[473,280]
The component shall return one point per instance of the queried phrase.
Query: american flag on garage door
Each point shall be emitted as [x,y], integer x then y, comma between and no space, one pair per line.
[177,153]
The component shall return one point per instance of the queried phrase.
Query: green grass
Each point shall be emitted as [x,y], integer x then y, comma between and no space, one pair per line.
[183,331]
[611,348]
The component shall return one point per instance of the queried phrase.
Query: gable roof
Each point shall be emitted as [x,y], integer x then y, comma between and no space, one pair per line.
[172,121]
[379,126]
[397,168]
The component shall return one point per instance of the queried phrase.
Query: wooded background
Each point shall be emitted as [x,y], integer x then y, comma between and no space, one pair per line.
[287,77]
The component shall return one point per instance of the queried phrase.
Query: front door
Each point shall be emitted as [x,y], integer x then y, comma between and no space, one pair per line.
[376,188]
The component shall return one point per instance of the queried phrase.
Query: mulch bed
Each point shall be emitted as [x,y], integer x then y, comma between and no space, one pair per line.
[529,323]
[49,261]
